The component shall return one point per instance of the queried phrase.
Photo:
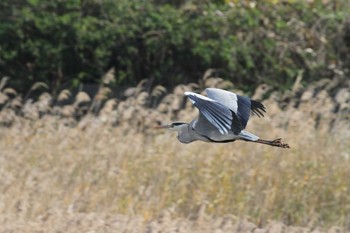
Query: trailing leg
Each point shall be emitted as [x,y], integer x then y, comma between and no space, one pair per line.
[277,142]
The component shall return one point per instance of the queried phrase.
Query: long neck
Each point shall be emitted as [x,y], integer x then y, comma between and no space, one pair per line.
[186,134]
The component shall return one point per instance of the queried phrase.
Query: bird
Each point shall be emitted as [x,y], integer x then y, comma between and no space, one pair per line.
[223,116]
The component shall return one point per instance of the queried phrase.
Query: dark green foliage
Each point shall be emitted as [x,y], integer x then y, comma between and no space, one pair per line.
[64,43]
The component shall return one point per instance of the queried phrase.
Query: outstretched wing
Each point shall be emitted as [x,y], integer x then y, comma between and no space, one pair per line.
[242,106]
[257,108]
[223,118]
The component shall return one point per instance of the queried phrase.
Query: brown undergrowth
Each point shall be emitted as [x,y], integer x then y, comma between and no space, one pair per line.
[50,172]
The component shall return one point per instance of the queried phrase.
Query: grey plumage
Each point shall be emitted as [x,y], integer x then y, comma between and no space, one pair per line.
[222,118]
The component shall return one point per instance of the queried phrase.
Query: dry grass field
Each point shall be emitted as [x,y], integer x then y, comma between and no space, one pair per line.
[100,178]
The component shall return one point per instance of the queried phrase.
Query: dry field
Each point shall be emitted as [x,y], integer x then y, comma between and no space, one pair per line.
[55,178]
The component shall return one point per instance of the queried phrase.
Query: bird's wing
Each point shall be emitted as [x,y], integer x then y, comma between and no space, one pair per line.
[223,118]
[257,108]
[226,98]
[240,105]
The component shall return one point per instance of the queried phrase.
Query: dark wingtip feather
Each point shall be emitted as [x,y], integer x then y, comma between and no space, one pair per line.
[258,108]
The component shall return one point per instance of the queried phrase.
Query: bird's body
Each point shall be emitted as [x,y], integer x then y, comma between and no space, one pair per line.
[222,118]
[189,132]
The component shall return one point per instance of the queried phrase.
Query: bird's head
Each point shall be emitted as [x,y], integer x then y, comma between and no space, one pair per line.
[176,126]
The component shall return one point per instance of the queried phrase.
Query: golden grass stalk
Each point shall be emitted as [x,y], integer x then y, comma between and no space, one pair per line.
[47,167]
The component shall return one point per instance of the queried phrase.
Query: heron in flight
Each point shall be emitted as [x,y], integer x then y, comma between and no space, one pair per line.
[222,118]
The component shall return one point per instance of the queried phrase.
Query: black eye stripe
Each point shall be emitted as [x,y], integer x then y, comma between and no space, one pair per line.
[177,123]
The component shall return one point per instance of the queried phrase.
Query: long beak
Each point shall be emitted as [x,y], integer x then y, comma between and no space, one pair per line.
[162,126]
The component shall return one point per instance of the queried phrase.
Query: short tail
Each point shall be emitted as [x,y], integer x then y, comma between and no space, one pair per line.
[245,135]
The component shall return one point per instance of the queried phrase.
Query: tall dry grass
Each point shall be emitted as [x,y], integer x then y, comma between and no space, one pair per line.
[48,168]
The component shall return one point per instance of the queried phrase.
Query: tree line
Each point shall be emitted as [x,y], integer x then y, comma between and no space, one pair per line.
[66,43]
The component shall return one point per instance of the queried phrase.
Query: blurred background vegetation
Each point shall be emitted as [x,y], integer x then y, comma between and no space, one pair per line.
[66,43]
[73,161]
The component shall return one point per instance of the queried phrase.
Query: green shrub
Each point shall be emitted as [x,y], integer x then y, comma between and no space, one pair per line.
[64,43]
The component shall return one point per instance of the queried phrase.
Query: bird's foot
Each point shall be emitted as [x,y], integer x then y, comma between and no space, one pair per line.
[278,142]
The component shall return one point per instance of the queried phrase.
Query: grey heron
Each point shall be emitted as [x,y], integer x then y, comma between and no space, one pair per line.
[223,116]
